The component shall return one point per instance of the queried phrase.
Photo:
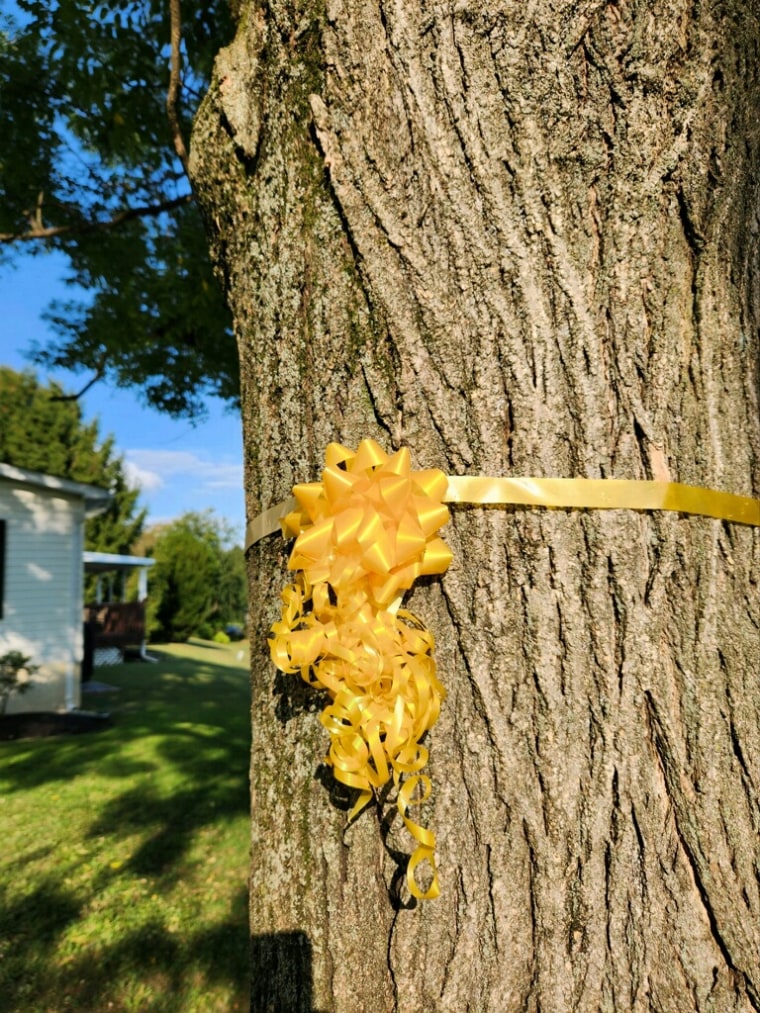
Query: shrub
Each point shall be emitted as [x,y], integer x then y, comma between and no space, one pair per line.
[221,638]
[12,664]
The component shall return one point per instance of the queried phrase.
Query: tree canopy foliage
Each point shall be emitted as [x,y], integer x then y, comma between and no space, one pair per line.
[95,104]
[198,584]
[42,431]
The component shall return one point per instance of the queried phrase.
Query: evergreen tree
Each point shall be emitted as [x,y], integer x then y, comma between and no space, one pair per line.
[42,432]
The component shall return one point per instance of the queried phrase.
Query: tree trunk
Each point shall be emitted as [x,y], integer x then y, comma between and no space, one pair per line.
[520,238]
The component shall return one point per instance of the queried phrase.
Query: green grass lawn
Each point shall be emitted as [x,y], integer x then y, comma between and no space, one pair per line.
[124,853]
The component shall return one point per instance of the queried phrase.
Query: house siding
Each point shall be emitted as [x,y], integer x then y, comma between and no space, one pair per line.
[42,605]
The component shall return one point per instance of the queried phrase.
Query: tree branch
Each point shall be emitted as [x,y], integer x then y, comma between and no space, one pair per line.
[172,96]
[100,373]
[81,228]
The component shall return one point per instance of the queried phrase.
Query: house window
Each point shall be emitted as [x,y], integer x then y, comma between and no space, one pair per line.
[2,566]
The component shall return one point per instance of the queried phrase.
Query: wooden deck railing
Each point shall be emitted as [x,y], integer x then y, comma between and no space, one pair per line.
[117,624]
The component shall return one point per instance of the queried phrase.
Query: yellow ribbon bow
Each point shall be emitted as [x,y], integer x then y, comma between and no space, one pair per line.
[363,536]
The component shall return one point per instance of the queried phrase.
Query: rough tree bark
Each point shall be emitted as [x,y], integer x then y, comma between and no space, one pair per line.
[520,238]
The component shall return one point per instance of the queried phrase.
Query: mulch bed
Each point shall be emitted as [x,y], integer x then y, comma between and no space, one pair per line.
[40,724]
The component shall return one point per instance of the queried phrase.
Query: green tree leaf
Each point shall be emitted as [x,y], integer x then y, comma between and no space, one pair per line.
[88,168]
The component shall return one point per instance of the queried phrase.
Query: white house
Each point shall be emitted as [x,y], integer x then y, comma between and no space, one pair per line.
[42,581]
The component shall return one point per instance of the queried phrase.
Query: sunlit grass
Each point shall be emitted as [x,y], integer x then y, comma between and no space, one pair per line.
[123,853]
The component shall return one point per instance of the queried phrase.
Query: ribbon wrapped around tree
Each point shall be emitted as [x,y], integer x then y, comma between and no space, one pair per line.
[364,534]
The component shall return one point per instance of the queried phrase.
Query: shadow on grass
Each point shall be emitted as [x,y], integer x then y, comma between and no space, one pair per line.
[28,763]
[171,820]
[163,701]
[175,764]
[206,645]
[103,977]
[36,920]
[95,980]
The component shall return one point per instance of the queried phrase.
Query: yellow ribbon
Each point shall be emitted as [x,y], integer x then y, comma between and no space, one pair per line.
[565,494]
[604,494]
[363,535]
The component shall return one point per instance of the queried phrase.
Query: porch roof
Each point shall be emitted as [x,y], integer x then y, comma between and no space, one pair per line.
[102,562]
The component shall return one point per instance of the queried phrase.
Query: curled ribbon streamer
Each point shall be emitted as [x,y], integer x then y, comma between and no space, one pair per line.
[363,536]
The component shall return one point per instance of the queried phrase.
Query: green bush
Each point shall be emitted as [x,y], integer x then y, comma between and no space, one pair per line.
[197,585]
[221,638]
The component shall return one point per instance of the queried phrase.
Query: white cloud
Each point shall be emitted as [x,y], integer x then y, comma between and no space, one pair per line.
[159,465]
[225,476]
[142,478]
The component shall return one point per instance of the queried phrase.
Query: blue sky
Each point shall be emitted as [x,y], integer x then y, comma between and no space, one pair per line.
[177,466]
